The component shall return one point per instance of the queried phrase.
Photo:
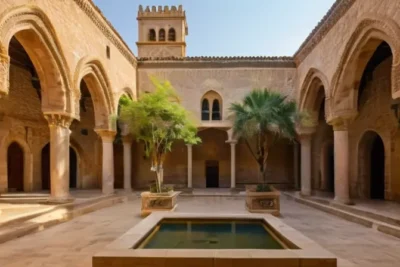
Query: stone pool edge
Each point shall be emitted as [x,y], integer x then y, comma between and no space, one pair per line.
[120,252]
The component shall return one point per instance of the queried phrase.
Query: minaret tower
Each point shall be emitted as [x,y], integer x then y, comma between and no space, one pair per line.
[162,32]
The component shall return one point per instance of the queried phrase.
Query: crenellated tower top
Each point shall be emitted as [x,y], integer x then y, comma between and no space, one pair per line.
[162,31]
[160,11]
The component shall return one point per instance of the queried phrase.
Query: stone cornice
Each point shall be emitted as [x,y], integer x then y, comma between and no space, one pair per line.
[338,9]
[95,14]
[216,62]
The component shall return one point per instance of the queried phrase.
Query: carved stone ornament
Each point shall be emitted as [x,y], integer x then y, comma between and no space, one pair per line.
[58,120]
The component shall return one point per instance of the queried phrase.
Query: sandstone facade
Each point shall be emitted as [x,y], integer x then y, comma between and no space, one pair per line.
[345,75]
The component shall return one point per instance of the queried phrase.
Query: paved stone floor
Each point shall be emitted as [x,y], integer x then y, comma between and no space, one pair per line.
[73,243]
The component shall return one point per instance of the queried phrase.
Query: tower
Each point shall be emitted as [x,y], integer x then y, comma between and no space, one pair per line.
[162,31]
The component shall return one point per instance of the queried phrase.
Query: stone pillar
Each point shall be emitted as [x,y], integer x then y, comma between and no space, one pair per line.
[59,156]
[127,141]
[190,167]
[4,72]
[305,141]
[341,158]
[233,164]
[296,165]
[107,138]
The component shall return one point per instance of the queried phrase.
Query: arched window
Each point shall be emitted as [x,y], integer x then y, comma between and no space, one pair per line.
[171,35]
[216,114]
[205,110]
[152,35]
[161,35]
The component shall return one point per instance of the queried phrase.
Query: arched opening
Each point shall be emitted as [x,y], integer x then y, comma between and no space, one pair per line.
[152,35]
[216,109]
[205,110]
[211,159]
[216,113]
[15,167]
[73,168]
[372,166]
[171,35]
[46,182]
[161,35]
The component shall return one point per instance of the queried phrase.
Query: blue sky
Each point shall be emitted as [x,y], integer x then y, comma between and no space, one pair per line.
[229,27]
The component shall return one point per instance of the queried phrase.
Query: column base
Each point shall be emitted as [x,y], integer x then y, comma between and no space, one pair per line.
[60,200]
[345,201]
[108,192]
[128,190]
[187,190]
[305,192]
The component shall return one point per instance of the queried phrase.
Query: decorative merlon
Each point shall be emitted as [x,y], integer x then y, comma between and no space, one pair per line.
[160,11]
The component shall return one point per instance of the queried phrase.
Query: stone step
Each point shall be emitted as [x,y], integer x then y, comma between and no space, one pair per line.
[381,226]
[58,215]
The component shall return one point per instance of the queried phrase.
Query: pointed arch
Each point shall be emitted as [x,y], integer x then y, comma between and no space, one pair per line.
[28,161]
[161,35]
[126,91]
[171,35]
[34,30]
[314,89]
[214,103]
[367,36]
[91,71]
[152,35]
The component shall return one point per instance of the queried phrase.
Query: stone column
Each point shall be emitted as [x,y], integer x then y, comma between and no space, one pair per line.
[233,163]
[305,141]
[127,142]
[296,165]
[59,156]
[341,158]
[4,72]
[190,167]
[107,138]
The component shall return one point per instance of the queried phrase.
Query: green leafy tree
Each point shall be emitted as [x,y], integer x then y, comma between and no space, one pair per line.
[262,118]
[158,120]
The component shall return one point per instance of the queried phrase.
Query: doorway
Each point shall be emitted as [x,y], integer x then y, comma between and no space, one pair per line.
[15,168]
[331,169]
[73,170]
[377,169]
[212,174]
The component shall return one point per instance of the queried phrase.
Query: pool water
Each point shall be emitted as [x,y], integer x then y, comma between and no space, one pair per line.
[199,234]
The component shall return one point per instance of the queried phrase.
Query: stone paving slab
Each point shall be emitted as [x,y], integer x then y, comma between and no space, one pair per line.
[75,242]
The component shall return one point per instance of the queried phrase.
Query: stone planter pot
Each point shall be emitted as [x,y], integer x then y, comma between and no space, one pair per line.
[263,202]
[158,202]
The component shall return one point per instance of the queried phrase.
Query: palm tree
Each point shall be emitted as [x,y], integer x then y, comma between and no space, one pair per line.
[262,118]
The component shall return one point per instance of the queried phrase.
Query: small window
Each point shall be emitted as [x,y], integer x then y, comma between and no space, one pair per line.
[216,114]
[205,110]
[108,52]
[152,35]
[171,35]
[161,35]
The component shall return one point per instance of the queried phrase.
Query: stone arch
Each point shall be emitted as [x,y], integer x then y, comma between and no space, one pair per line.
[91,71]
[310,93]
[364,158]
[28,162]
[367,36]
[213,96]
[127,91]
[33,29]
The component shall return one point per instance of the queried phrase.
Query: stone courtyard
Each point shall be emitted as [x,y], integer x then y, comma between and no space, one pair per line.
[75,242]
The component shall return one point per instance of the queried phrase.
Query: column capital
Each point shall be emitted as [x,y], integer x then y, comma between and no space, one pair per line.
[231,142]
[127,139]
[106,135]
[60,120]
[340,123]
[189,145]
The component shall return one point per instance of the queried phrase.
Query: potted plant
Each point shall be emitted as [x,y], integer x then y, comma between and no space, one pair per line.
[158,120]
[262,118]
